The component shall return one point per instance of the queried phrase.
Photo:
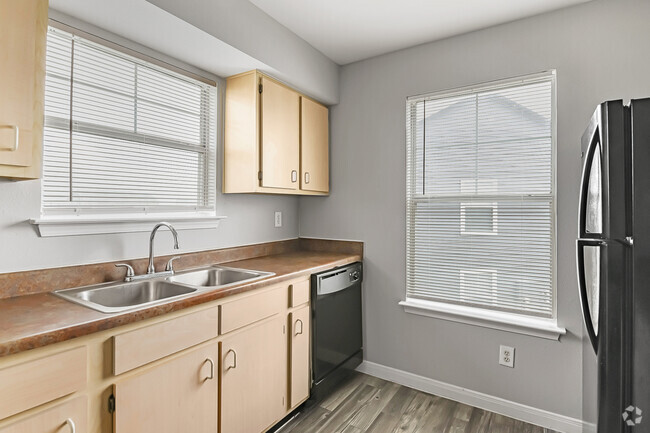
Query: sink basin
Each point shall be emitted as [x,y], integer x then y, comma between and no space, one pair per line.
[116,297]
[120,296]
[217,276]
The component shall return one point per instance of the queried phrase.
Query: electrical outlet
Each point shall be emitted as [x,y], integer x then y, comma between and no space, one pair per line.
[278,219]
[507,356]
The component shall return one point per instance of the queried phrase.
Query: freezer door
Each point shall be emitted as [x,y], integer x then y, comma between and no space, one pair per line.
[604,202]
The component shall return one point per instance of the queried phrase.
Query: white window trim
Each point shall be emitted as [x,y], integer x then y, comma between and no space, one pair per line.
[503,321]
[67,225]
[541,327]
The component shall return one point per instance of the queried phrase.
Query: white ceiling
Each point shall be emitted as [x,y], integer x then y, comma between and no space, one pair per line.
[351,30]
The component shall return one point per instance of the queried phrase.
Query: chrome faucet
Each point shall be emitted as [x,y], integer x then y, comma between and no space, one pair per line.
[150,268]
[151,271]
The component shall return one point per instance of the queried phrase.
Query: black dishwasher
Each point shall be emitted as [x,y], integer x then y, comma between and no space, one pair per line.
[337,340]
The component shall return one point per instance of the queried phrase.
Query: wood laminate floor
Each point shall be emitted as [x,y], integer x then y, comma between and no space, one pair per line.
[368,404]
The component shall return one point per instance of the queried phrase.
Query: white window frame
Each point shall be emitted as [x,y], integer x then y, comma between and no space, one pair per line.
[67,220]
[541,327]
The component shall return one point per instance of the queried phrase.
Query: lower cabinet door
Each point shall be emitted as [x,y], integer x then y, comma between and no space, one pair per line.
[178,396]
[253,377]
[300,355]
[68,417]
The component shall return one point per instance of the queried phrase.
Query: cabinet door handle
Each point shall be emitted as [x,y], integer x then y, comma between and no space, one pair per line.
[234,362]
[211,368]
[294,176]
[70,423]
[296,326]
[16,137]
[306,177]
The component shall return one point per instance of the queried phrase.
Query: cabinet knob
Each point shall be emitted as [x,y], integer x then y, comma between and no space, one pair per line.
[294,176]
[211,369]
[16,137]
[296,327]
[70,423]
[306,177]
[234,362]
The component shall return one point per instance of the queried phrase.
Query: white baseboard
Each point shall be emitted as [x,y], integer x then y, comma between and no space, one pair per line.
[498,405]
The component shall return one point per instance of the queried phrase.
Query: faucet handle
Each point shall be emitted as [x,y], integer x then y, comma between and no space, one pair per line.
[170,264]
[130,273]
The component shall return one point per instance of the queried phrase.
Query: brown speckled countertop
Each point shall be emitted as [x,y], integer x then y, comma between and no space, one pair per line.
[31,321]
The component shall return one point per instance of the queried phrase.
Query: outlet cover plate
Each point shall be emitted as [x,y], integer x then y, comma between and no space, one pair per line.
[507,356]
[278,219]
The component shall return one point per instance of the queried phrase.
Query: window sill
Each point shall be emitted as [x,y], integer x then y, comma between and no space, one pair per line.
[536,327]
[92,225]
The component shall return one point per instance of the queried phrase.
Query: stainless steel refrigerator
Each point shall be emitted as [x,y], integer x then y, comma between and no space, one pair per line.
[613,258]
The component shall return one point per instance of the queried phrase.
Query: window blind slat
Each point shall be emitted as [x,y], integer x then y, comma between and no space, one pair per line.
[481,197]
[121,133]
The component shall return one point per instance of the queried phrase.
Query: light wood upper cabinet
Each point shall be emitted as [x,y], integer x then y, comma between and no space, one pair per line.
[300,377]
[23,28]
[280,136]
[179,395]
[314,139]
[253,377]
[276,140]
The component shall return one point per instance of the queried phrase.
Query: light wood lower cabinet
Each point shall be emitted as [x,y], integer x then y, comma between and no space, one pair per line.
[171,374]
[253,377]
[68,417]
[176,396]
[300,332]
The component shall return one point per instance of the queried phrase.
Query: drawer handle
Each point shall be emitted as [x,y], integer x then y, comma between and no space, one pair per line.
[211,368]
[296,326]
[16,137]
[234,363]
[294,176]
[70,423]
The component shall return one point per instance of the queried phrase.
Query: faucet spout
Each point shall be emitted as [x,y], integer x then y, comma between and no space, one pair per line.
[150,268]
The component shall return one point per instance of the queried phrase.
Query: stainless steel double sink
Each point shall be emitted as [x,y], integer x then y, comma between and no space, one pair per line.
[117,297]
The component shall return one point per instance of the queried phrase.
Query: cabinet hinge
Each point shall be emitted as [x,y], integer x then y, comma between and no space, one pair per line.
[261,87]
[259,175]
[111,403]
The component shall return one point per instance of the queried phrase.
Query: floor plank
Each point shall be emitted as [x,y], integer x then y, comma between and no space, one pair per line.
[366,404]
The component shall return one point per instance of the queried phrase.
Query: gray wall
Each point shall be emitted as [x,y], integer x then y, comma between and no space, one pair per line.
[599,51]
[244,26]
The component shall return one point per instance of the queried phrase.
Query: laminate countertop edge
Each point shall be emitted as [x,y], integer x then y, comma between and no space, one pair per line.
[38,320]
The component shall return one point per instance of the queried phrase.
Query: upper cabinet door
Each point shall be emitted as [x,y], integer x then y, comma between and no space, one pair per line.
[280,136]
[314,139]
[22,49]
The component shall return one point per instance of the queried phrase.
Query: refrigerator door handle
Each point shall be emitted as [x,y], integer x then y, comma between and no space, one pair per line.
[584,182]
[582,287]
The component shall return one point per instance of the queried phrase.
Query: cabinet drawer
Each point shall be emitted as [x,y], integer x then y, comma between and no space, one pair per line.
[69,416]
[33,383]
[244,311]
[142,346]
[298,293]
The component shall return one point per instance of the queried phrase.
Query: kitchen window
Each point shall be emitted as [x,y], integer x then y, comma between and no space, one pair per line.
[481,205]
[126,139]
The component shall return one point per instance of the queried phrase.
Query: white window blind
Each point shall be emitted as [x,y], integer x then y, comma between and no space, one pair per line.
[123,135]
[481,196]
